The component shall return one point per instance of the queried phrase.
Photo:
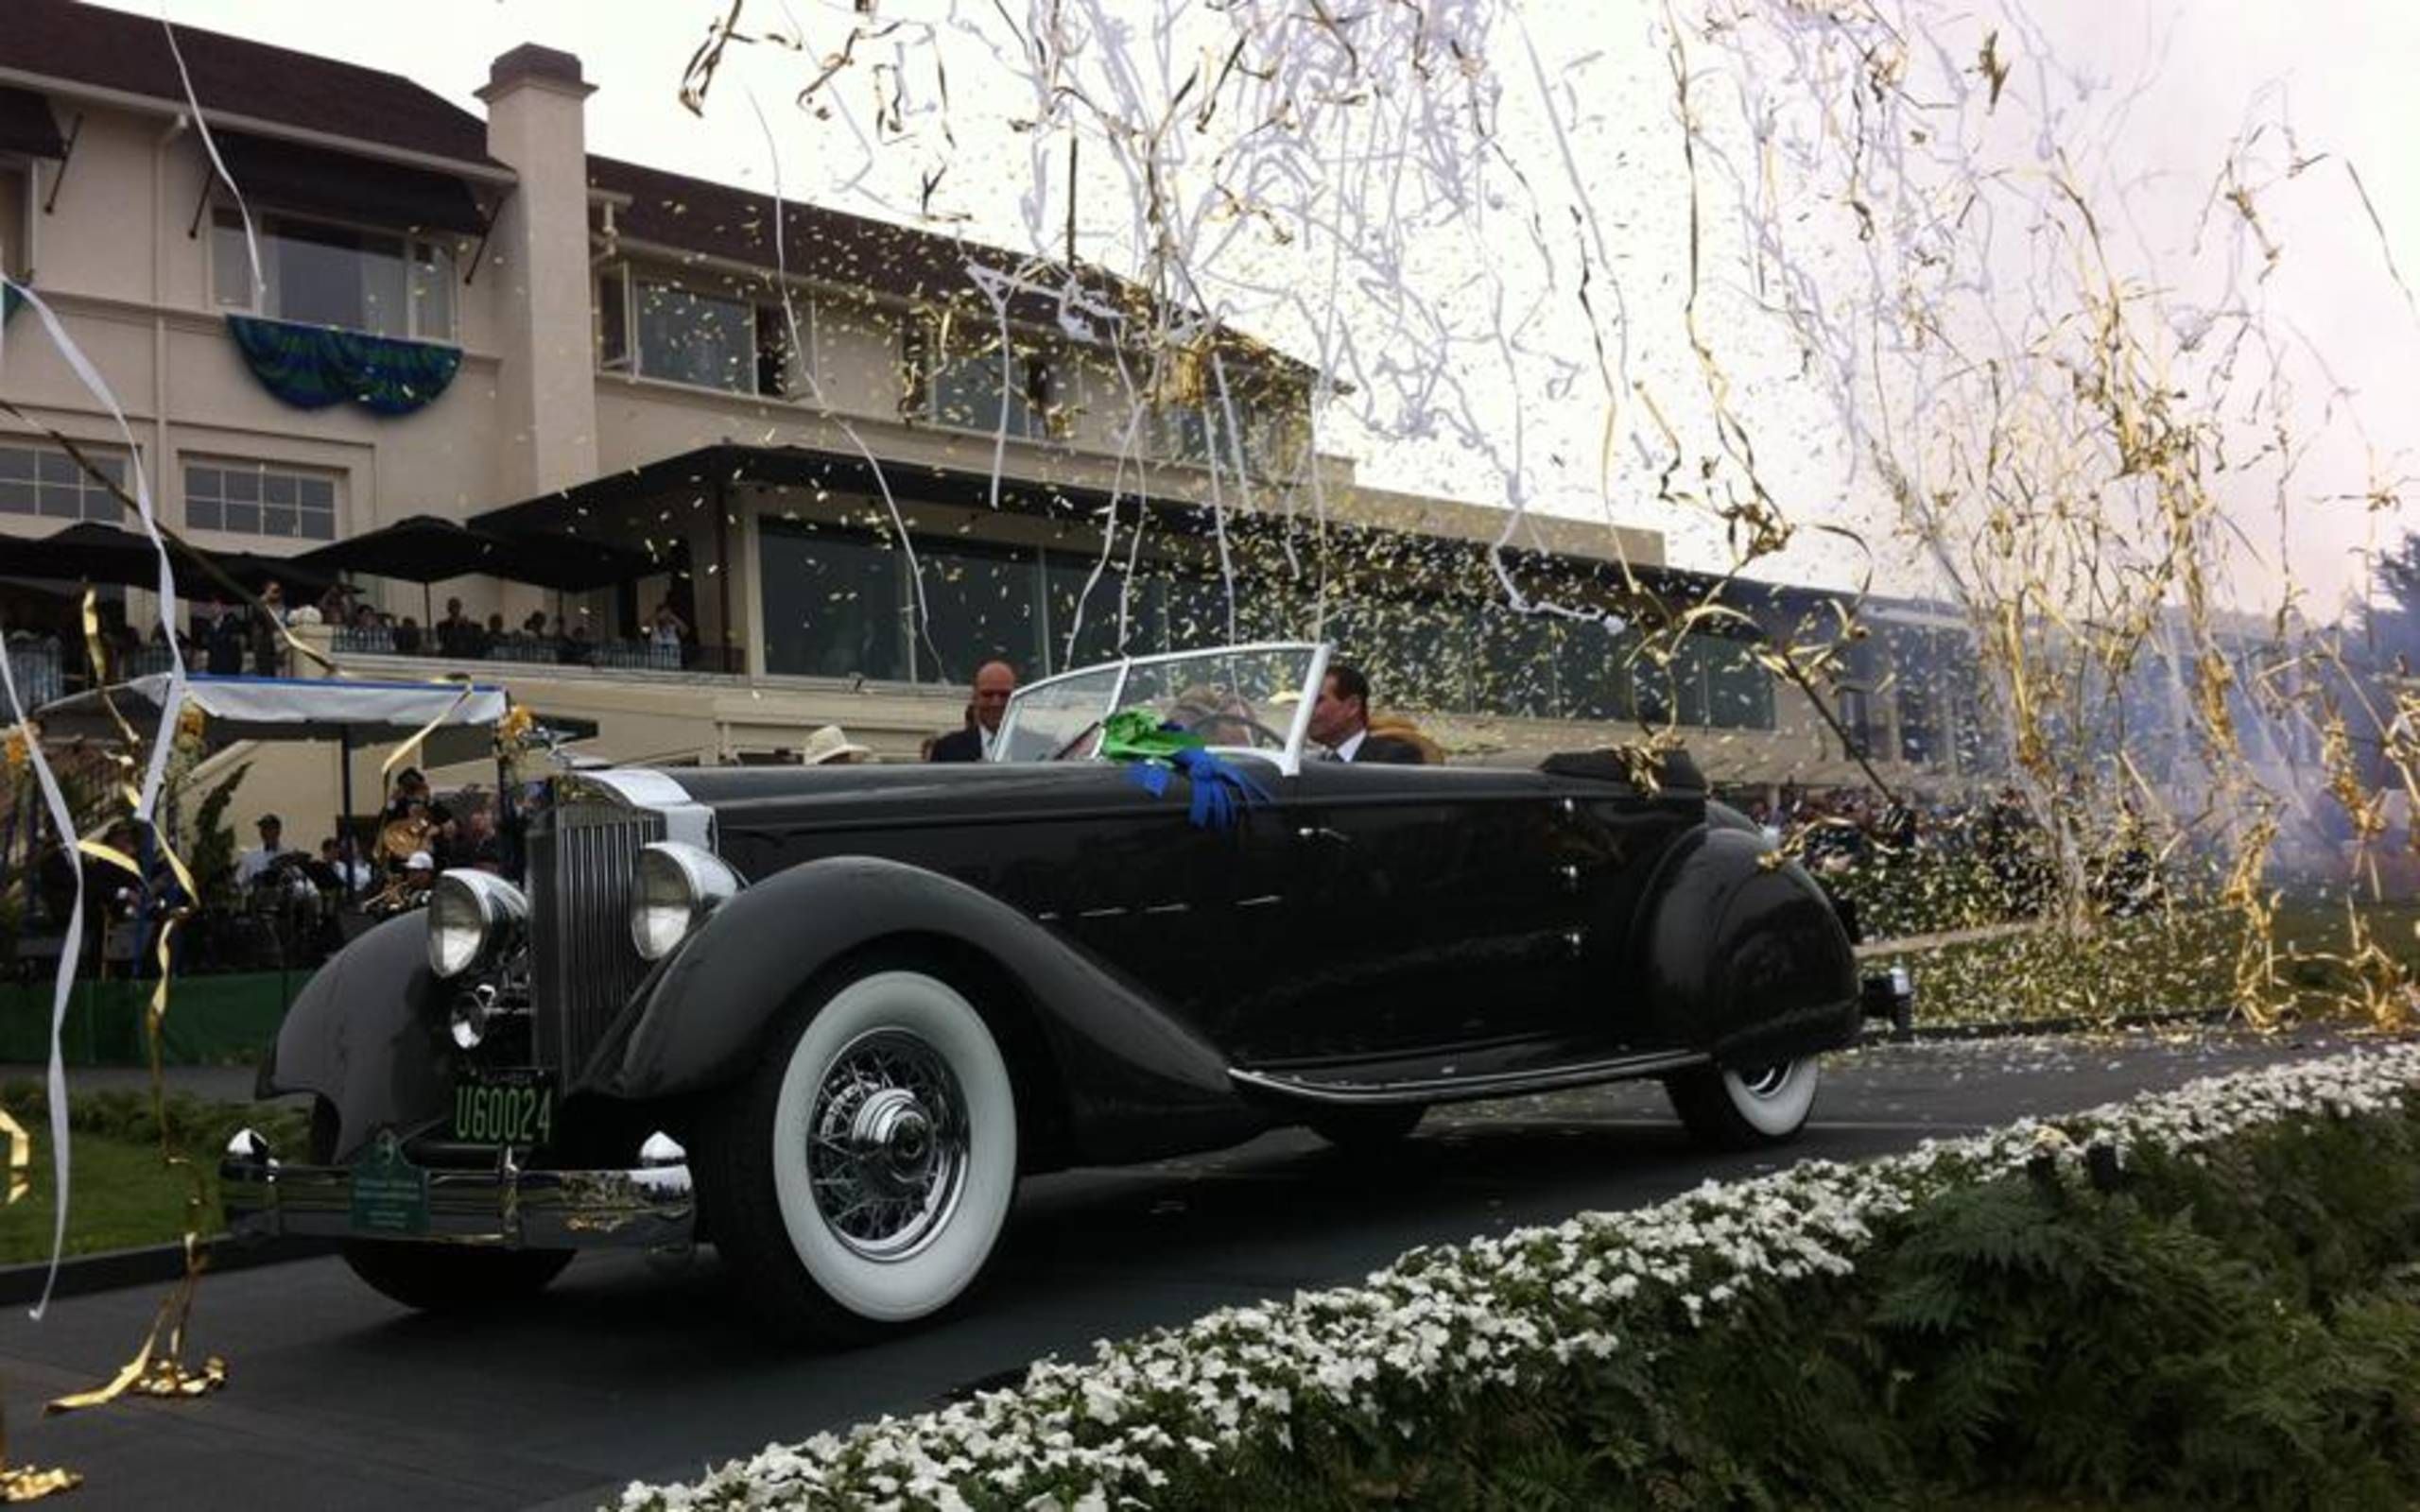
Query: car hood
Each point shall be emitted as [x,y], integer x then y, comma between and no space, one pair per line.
[783,797]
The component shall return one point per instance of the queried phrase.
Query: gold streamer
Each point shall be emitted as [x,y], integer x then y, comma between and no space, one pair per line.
[21,1484]
[21,1157]
[158,1369]
[395,757]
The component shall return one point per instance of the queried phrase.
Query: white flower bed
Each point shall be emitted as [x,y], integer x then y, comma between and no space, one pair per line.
[1076,1438]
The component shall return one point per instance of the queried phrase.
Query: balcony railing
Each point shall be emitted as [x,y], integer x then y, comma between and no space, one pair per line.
[34,667]
[544,650]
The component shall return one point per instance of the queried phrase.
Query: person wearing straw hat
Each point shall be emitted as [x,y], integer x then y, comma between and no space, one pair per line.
[830,745]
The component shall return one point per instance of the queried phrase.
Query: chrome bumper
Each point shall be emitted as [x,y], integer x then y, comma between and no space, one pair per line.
[647,1208]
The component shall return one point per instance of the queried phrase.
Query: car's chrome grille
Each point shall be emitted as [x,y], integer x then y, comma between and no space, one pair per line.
[581,956]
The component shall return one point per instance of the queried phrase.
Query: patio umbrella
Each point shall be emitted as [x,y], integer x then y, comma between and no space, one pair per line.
[301,584]
[419,548]
[101,553]
[572,564]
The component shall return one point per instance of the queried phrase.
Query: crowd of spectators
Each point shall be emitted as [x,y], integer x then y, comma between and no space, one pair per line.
[227,639]
[667,643]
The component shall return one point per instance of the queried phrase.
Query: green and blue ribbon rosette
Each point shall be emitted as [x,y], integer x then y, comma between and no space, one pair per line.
[1151,750]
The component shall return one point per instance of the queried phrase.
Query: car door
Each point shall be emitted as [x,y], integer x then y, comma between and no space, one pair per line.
[1423,907]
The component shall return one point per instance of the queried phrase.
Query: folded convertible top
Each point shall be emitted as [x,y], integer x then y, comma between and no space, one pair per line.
[1606,765]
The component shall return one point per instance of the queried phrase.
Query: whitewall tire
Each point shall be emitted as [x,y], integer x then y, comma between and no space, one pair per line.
[860,1179]
[1741,1109]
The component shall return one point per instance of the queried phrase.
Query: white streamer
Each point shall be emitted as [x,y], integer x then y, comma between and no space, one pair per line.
[171,703]
[251,242]
[61,986]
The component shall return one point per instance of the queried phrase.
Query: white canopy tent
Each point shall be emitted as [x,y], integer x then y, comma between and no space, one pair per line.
[459,717]
[299,709]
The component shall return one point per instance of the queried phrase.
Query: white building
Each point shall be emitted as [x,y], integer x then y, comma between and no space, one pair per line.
[477,319]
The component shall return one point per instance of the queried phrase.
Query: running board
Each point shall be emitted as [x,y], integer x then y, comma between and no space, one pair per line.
[1331,1089]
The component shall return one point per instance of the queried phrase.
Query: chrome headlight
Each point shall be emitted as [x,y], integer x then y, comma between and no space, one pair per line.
[677,887]
[472,916]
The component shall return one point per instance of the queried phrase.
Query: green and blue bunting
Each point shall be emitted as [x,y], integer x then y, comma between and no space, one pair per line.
[312,367]
[1151,750]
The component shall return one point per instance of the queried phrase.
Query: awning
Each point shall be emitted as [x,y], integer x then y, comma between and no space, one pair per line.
[26,125]
[300,709]
[335,183]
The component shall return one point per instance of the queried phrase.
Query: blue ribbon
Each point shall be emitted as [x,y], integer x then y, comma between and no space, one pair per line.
[1221,793]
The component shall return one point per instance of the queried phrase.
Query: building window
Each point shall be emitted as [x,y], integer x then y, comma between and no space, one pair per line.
[980,605]
[256,499]
[319,273]
[1593,671]
[776,372]
[46,482]
[969,392]
[1854,708]
[614,321]
[1199,434]
[16,220]
[1739,689]
[1920,712]
[962,381]
[689,338]
[835,604]
[656,328]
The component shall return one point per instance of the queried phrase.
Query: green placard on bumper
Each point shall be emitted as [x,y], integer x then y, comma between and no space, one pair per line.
[390,1193]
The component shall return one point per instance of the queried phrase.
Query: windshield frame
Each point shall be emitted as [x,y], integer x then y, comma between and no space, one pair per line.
[1289,761]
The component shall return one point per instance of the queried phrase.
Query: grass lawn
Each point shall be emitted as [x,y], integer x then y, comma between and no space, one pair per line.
[123,1196]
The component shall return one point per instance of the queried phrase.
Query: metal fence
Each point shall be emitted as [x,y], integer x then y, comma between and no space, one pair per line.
[644,656]
[34,668]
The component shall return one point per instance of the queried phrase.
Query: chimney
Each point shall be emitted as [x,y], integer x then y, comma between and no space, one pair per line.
[547,386]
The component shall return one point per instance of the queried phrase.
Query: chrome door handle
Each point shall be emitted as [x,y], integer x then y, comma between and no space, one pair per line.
[1309,831]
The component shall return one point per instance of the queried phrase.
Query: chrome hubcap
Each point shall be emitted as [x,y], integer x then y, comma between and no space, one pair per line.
[1764,1081]
[886,1144]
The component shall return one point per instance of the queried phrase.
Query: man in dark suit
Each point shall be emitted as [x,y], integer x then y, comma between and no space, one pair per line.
[1340,721]
[222,638]
[994,682]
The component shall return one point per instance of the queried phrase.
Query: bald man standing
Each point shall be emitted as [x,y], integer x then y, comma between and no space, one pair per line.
[994,682]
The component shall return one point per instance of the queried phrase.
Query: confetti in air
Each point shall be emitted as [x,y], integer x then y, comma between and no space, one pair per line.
[1852,292]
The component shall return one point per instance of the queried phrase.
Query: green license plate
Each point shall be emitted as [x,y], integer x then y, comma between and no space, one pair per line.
[390,1193]
[514,1107]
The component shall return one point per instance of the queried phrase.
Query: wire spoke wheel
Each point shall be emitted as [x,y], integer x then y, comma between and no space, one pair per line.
[888,1147]
[862,1177]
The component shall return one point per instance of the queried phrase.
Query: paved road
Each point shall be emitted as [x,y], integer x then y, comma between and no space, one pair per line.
[629,1369]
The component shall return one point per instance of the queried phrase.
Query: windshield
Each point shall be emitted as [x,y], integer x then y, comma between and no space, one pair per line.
[1251,698]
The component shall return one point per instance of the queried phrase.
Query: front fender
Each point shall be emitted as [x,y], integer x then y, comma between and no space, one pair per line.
[368,1033]
[1742,958]
[1136,1080]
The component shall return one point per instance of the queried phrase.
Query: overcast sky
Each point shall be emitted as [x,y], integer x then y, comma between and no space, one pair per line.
[2344,70]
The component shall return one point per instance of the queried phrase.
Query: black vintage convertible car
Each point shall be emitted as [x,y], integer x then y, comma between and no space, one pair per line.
[825,1018]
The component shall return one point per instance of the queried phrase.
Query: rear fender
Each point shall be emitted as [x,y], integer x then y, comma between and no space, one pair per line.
[368,1033]
[1739,958]
[1137,1082]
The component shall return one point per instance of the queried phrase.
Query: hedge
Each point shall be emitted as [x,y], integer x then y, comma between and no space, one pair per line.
[2203,1296]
